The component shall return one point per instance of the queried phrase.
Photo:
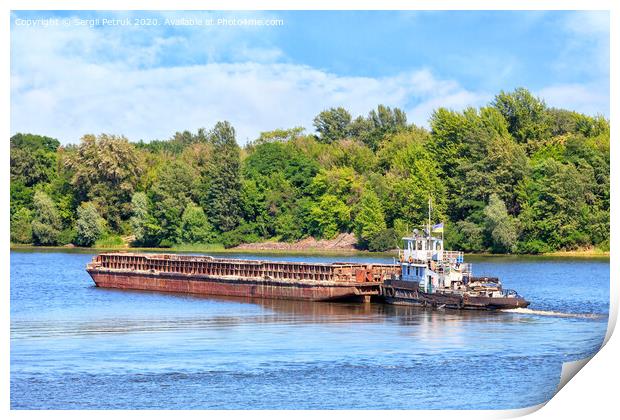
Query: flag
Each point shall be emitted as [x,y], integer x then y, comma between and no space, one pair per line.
[438,228]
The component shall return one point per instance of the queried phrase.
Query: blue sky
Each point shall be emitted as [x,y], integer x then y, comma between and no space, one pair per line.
[147,82]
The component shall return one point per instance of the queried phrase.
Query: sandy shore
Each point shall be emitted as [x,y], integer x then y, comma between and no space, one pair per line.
[342,242]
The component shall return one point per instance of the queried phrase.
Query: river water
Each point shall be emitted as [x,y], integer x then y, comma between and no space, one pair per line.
[75,346]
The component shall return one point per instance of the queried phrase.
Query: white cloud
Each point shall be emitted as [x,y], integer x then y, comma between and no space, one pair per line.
[590,23]
[586,55]
[586,49]
[154,103]
[60,88]
[68,81]
[588,99]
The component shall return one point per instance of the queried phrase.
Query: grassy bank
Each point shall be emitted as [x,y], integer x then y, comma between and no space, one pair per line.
[219,249]
[195,248]
[585,253]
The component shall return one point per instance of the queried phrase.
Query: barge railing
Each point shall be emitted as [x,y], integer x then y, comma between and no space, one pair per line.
[230,267]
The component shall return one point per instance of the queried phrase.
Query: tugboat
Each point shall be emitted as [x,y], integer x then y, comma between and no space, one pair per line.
[433,277]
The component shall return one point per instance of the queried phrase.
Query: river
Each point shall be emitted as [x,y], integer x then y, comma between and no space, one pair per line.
[75,346]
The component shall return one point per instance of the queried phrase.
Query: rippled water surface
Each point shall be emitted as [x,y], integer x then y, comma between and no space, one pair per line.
[77,346]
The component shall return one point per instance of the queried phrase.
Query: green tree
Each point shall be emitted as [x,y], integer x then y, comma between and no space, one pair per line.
[344,183]
[332,124]
[196,227]
[180,141]
[478,158]
[513,172]
[330,216]
[555,205]
[467,236]
[527,117]
[46,223]
[270,158]
[369,220]
[500,226]
[105,170]
[144,226]
[350,153]
[90,226]
[170,194]
[223,198]
[33,158]
[380,122]
[387,119]
[279,135]
[412,176]
[21,226]
[32,162]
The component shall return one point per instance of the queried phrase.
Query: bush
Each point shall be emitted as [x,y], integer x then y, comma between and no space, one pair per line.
[89,226]
[67,236]
[534,246]
[166,243]
[21,226]
[46,223]
[196,227]
[604,246]
[468,237]
[330,215]
[242,234]
[287,228]
[575,240]
[145,227]
[44,234]
[384,240]
[369,221]
[500,227]
[109,241]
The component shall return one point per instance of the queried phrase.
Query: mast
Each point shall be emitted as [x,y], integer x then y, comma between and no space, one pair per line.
[429,214]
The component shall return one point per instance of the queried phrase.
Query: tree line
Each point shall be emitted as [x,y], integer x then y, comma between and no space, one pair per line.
[515,176]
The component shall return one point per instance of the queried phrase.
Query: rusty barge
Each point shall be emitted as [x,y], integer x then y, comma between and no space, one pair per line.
[243,278]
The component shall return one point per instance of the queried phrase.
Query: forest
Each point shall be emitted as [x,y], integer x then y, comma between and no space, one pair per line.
[515,176]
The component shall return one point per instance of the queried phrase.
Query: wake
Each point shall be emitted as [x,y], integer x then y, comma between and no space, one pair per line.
[527,311]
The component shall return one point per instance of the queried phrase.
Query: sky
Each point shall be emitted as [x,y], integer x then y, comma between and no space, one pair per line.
[73,74]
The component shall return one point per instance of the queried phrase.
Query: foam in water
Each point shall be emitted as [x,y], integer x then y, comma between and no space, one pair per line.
[528,311]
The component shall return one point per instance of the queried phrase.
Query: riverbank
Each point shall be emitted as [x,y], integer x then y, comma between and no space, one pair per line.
[342,242]
[585,253]
[219,249]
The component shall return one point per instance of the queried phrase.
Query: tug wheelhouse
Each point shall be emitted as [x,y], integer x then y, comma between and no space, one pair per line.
[419,259]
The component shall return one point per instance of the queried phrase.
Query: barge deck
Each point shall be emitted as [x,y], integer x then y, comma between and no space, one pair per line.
[235,277]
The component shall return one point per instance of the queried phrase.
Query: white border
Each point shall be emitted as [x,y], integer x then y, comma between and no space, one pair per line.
[593,394]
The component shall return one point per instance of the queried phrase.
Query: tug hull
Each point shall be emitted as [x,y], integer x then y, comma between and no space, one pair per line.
[404,293]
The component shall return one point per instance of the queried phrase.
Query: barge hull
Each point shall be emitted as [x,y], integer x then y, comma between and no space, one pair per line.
[250,288]
[207,275]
